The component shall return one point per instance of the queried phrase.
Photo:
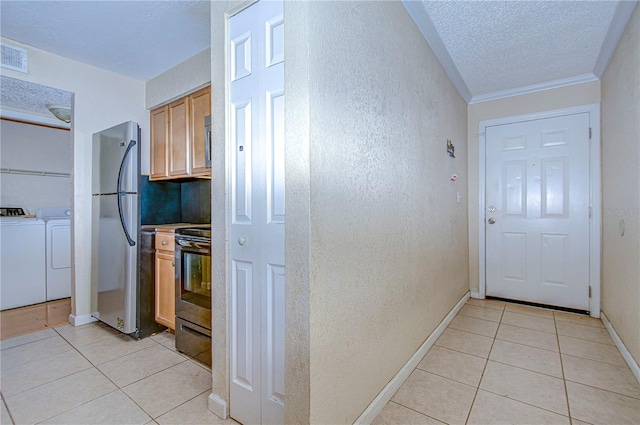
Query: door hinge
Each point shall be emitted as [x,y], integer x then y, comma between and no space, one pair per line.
[589,291]
[589,133]
[590,212]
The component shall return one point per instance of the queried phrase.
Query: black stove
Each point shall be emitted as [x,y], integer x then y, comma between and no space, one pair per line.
[200,232]
[193,292]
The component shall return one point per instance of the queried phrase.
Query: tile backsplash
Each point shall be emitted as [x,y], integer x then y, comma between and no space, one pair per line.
[181,201]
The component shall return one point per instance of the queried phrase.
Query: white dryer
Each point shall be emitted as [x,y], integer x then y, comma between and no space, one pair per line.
[58,250]
[22,259]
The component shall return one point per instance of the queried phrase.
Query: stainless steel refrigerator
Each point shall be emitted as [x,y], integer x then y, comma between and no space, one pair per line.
[122,289]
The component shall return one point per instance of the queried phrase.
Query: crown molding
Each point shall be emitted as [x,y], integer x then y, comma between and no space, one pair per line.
[534,88]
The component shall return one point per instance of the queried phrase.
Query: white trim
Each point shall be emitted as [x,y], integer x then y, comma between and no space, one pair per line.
[626,354]
[218,406]
[431,36]
[33,118]
[534,88]
[237,8]
[381,400]
[482,272]
[476,295]
[81,320]
[595,224]
[621,16]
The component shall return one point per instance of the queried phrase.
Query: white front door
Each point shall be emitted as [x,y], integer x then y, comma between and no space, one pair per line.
[537,211]
[256,226]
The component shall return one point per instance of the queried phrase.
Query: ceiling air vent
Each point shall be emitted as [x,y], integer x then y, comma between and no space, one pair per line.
[14,58]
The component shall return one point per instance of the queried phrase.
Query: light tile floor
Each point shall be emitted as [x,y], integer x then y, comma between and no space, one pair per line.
[495,363]
[92,374]
[503,363]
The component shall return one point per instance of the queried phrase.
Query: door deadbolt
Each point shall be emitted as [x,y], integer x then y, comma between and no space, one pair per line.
[492,208]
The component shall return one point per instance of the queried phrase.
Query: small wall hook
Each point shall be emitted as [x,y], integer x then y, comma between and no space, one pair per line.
[450,148]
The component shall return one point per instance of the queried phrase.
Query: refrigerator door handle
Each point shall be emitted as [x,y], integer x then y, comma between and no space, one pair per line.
[121,193]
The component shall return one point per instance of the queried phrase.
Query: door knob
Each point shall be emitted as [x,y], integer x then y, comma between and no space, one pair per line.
[242,240]
[492,220]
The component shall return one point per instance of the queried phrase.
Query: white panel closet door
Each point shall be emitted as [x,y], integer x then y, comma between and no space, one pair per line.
[537,211]
[256,228]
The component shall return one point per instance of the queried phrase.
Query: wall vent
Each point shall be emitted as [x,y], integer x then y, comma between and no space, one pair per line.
[14,58]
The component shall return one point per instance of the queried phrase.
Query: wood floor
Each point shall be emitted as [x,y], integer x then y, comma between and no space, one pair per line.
[34,318]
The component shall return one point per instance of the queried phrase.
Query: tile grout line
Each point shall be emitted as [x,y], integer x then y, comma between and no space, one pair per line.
[529,370]
[526,403]
[564,379]
[602,389]
[6,406]
[181,404]
[413,410]
[484,369]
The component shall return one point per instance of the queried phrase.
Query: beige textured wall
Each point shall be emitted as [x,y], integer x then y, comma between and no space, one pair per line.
[186,77]
[298,227]
[388,242]
[621,188]
[565,97]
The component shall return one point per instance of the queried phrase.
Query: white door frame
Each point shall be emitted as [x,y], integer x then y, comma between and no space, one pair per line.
[595,194]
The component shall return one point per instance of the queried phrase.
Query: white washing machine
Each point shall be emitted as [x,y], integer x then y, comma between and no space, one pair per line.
[22,259]
[57,222]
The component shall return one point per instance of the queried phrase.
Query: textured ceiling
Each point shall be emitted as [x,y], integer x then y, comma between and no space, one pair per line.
[500,45]
[485,46]
[139,39]
[492,49]
[24,96]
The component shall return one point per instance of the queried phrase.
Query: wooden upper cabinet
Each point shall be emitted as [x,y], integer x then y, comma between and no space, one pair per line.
[200,107]
[178,139]
[159,144]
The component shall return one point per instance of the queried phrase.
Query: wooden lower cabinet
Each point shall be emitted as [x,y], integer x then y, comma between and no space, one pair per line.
[165,301]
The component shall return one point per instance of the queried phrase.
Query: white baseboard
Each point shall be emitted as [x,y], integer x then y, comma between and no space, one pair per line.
[378,403]
[476,295]
[626,355]
[81,320]
[218,406]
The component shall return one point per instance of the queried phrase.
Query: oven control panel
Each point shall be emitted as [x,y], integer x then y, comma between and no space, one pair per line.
[11,212]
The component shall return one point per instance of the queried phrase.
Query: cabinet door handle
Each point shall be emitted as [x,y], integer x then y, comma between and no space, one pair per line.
[163,242]
[173,263]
